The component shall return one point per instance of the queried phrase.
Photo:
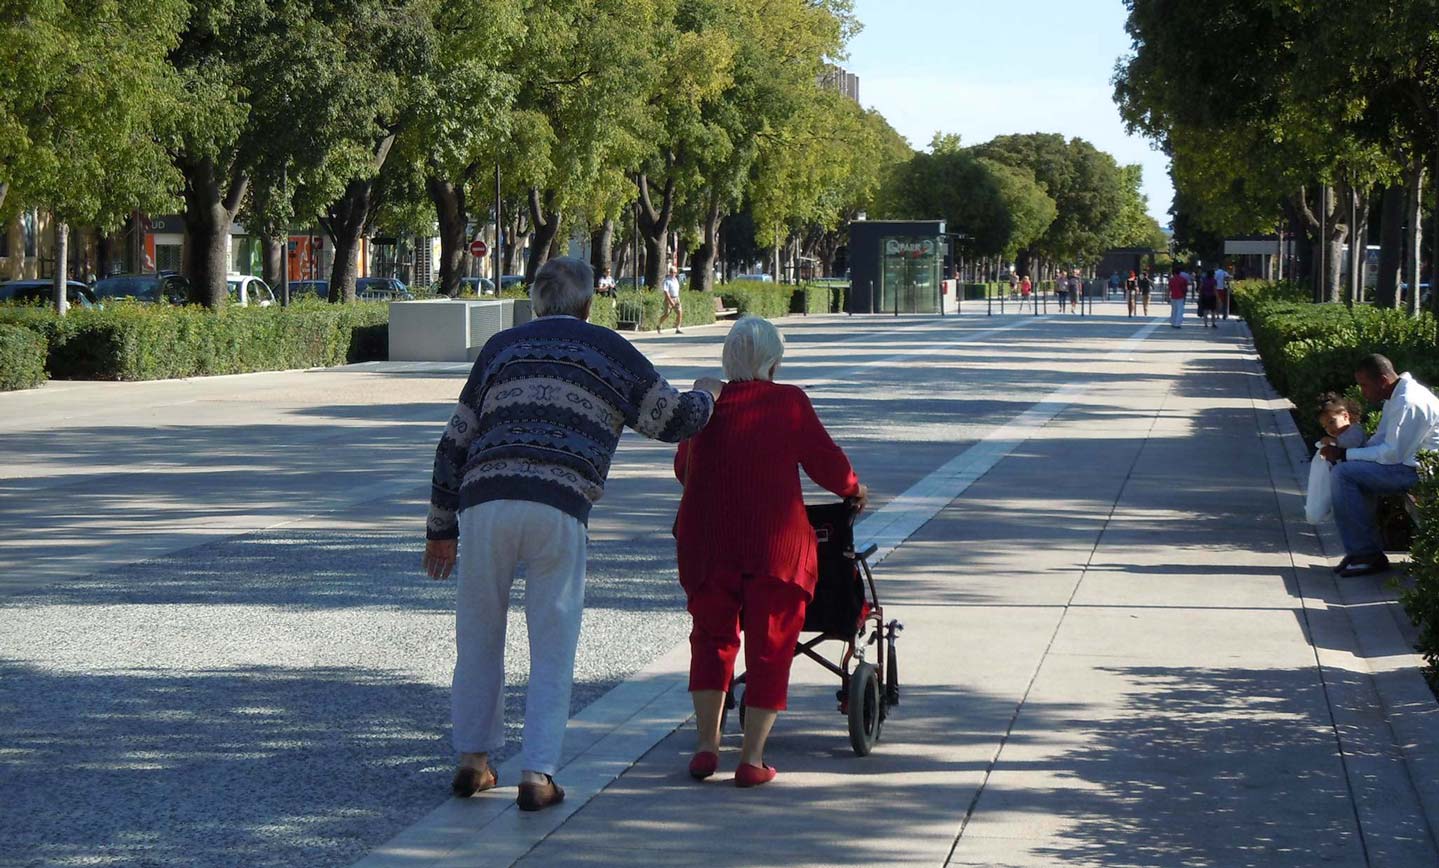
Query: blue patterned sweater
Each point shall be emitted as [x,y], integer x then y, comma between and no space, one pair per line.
[542,414]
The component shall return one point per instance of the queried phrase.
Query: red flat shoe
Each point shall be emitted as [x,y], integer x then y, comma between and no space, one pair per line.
[752,776]
[703,764]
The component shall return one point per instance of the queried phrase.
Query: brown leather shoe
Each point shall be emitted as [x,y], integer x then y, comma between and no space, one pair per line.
[537,797]
[469,781]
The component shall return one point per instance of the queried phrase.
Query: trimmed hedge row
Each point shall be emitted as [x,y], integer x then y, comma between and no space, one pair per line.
[22,358]
[698,309]
[769,300]
[149,342]
[127,341]
[1309,349]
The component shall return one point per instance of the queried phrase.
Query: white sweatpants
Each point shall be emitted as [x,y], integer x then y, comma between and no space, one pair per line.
[496,539]
[1176,312]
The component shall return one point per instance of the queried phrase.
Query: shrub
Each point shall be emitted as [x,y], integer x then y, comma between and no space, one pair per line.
[768,300]
[127,341]
[819,298]
[699,308]
[1309,348]
[22,358]
[1421,599]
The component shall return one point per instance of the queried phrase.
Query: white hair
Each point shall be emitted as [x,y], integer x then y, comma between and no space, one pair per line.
[563,286]
[752,350]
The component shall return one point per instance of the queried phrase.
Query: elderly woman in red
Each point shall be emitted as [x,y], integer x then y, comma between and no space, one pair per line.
[746,550]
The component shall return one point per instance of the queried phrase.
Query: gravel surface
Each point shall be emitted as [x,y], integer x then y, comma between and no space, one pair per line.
[278,699]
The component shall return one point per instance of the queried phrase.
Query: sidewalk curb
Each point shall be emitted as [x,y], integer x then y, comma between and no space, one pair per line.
[1377,647]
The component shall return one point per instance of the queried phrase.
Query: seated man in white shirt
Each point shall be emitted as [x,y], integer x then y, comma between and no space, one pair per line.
[1386,464]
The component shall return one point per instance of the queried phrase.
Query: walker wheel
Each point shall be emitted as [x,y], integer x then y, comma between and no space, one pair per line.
[865,714]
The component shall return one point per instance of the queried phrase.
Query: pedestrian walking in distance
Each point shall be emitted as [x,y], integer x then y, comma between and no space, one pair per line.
[1061,290]
[522,462]
[671,298]
[1178,291]
[1146,286]
[1131,292]
[746,550]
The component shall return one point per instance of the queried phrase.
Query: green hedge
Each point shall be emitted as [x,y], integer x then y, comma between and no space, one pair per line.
[698,307]
[1421,597]
[819,298]
[1309,349]
[769,300]
[22,358]
[148,342]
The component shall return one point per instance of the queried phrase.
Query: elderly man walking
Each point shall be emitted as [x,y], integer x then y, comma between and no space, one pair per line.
[1386,464]
[519,467]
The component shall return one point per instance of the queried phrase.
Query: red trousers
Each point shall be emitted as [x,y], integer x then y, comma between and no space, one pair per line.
[770,611]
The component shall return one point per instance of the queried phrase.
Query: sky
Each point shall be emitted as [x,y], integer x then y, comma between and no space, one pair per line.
[983,68]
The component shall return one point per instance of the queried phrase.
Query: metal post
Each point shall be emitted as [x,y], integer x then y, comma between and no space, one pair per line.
[499,232]
[988,301]
[285,242]
[1322,292]
[1003,299]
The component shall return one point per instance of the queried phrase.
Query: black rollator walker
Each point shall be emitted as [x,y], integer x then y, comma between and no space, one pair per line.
[846,609]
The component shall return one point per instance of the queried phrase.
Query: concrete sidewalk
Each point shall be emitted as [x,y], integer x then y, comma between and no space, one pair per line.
[1123,647]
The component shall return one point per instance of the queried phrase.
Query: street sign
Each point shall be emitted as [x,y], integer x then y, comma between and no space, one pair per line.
[479,249]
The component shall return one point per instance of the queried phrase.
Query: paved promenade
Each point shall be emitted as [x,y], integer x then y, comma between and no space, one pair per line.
[1123,645]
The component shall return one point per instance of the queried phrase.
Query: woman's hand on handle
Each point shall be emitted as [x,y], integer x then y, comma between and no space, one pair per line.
[861,498]
[439,560]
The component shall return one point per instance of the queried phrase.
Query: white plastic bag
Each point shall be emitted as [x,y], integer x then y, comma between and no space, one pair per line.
[1318,502]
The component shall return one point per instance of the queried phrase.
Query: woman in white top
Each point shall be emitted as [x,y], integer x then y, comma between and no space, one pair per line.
[671,297]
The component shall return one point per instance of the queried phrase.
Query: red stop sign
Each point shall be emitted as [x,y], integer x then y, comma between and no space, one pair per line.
[479,249]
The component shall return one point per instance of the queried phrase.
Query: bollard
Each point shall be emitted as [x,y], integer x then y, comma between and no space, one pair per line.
[1003,298]
[988,302]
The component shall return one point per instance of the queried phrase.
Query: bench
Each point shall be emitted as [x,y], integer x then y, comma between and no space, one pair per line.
[722,312]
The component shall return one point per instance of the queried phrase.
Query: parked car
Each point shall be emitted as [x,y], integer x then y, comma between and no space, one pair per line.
[477,285]
[150,288]
[382,289]
[753,278]
[317,288]
[249,291]
[630,283]
[43,292]
[511,281]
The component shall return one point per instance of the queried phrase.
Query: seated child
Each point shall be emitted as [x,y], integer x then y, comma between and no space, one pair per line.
[1339,417]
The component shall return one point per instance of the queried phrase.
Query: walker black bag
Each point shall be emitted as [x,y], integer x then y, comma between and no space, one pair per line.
[839,596]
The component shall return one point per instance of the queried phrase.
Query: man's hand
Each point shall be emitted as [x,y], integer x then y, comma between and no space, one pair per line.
[1332,454]
[861,498]
[439,560]
[711,385]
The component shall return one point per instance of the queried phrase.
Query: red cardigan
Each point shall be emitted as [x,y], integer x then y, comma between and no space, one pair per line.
[743,509]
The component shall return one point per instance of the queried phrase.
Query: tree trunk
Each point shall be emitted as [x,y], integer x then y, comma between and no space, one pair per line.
[211,201]
[702,263]
[517,229]
[1434,235]
[546,222]
[1414,245]
[602,242]
[62,264]
[273,250]
[654,226]
[449,199]
[1391,246]
[345,222]
[105,245]
[4,191]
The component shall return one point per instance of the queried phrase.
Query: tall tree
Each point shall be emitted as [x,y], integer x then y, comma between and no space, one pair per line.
[84,94]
